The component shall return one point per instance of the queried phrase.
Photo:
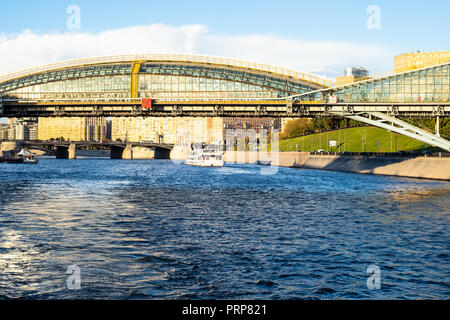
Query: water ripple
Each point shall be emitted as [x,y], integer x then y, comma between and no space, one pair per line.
[161,230]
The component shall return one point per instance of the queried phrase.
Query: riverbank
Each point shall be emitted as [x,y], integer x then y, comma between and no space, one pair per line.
[437,168]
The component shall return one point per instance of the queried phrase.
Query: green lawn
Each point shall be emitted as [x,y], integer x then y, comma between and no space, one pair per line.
[360,139]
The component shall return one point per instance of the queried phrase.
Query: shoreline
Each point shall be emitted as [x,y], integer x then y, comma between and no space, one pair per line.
[419,167]
[433,168]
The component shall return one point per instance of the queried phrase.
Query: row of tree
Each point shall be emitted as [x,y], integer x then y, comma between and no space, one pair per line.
[304,126]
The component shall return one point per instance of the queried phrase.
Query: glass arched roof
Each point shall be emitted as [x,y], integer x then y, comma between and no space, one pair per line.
[177,64]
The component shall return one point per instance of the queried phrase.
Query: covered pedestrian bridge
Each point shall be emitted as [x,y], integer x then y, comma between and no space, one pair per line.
[188,85]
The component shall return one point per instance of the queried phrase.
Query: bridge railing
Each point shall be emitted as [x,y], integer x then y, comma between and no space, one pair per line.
[139,100]
[199,101]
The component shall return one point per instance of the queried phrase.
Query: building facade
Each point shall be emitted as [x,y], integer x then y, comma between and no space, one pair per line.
[4,131]
[20,129]
[352,75]
[72,128]
[167,129]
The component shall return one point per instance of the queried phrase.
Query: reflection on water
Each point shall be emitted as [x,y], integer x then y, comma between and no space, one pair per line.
[160,230]
[419,195]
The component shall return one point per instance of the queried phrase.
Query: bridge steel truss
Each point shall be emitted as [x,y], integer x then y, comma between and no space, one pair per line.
[212,108]
[429,85]
[382,120]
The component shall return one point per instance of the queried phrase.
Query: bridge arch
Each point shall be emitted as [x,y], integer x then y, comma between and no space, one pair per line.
[158,76]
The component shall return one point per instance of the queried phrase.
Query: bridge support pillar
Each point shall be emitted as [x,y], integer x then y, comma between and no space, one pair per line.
[8,149]
[119,152]
[437,127]
[66,152]
[161,153]
[128,152]
[72,151]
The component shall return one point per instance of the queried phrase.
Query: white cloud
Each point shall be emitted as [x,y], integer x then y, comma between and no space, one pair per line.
[31,48]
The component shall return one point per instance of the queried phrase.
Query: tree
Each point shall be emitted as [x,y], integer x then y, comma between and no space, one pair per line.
[296,128]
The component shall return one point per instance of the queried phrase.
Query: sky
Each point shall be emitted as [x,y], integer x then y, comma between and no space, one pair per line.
[322,37]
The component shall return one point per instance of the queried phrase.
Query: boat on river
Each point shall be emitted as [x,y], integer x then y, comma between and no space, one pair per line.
[28,157]
[205,158]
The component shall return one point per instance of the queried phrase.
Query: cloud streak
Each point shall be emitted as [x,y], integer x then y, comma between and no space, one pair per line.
[31,48]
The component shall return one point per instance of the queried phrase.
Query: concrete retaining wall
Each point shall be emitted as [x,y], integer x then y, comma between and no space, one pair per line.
[418,167]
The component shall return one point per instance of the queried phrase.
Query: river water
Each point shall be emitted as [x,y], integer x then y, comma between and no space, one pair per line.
[158,229]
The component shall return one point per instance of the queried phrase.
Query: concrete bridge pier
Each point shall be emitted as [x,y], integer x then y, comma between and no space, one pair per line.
[120,152]
[161,153]
[8,149]
[128,152]
[72,151]
[66,152]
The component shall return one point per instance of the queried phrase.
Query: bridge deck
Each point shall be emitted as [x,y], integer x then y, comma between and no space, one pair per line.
[212,108]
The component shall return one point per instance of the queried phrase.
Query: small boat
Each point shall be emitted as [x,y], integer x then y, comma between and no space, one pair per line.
[205,158]
[28,157]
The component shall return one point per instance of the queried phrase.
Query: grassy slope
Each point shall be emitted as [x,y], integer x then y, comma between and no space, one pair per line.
[353,138]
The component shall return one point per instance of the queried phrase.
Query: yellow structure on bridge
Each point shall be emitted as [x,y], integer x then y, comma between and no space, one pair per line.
[418,60]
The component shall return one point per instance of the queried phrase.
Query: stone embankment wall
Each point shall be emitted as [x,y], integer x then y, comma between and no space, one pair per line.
[413,167]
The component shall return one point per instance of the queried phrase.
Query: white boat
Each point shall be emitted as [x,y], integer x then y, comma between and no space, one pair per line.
[28,157]
[205,158]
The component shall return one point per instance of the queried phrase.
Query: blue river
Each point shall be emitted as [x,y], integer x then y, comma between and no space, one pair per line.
[157,229]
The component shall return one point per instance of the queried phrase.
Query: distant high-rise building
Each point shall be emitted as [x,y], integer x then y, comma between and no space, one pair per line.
[352,75]
[196,129]
[108,134]
[72,128]
[356,72]
[21,128]
[33,132]
[166,129]
[4,131]
[256,124]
